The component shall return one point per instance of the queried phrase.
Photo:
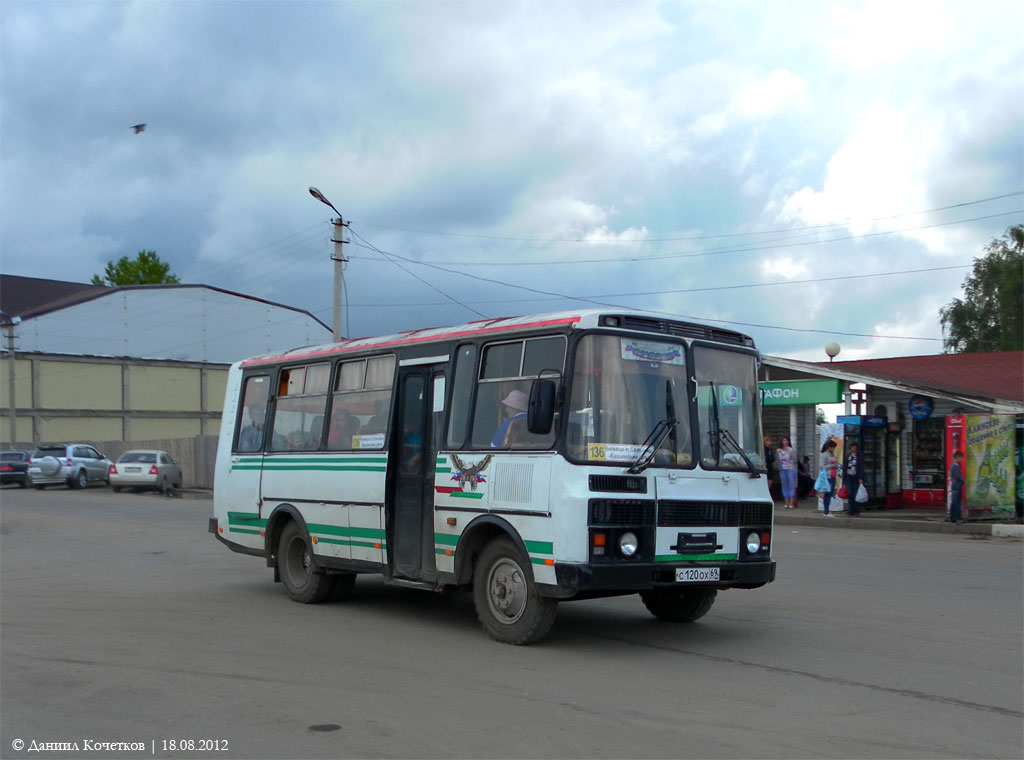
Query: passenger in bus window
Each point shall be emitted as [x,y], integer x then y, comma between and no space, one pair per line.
[252,434]
[343,426]
[412,447]
[515,404]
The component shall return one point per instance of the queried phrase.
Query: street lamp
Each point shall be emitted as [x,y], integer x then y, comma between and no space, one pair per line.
[339,261]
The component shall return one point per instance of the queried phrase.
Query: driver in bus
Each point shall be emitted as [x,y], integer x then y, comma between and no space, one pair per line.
[252,434]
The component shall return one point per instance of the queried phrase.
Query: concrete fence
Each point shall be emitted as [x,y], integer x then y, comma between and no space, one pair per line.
[196,455]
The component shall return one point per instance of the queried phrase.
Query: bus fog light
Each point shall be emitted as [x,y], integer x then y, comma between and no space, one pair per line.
[753,543]
[628,544]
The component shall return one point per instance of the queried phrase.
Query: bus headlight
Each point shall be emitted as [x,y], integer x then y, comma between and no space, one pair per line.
[628,544]
[753,542]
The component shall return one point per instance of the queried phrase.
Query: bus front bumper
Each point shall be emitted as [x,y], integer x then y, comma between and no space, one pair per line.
[596,580]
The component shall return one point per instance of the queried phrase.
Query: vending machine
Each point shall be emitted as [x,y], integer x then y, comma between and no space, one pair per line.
[869,433]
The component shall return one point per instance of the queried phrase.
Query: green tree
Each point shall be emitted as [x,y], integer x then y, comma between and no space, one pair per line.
[990,316]
[144,269]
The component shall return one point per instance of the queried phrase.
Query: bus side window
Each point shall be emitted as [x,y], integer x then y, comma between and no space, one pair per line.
[360,404]
[462,394]
[252,414]
[299,411]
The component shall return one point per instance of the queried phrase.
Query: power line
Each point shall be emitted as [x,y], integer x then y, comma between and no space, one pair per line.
[786,243]
[691,290]
[692,237]
[390,258]
[596,302]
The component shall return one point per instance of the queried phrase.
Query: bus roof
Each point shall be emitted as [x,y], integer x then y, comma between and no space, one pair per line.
[587,318]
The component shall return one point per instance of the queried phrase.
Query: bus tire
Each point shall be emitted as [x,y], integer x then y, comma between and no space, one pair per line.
[295,564]
[679,605]
[506,601]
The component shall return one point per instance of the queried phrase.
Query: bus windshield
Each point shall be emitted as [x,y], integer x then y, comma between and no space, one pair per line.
[629,403]
[730,429]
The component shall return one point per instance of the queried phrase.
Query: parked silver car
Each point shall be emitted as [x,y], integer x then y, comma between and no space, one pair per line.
[145,468]
[77,464]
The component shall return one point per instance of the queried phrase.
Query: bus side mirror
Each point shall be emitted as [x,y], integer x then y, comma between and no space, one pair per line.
[541,412]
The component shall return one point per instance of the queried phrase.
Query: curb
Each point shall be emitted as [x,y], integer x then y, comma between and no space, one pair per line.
[815,520]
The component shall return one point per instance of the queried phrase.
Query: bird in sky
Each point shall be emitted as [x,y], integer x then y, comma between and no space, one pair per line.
[138,127]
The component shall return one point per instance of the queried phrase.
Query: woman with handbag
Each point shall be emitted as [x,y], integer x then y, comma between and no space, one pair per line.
[853,478]
[828,465]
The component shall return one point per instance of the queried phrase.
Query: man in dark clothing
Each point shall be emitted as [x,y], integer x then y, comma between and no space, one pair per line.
[956,489]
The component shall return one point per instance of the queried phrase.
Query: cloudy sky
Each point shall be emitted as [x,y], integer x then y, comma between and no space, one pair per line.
[801,171]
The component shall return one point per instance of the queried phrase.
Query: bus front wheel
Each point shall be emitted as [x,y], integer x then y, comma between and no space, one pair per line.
[295,563]
[507,604]
[679,605]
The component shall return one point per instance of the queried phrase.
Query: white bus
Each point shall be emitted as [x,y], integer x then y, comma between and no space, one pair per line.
[532,460]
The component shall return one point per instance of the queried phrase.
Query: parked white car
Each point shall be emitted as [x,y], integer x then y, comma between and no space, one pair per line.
[145,469]
[77,464]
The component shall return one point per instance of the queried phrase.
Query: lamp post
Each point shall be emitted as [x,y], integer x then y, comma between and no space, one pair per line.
[339,261]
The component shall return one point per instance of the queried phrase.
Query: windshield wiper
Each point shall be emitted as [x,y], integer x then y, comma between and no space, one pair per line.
[716,429]
[728,438]
[662,430]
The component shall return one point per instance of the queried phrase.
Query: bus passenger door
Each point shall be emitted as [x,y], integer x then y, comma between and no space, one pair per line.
[410,518]
[242,482]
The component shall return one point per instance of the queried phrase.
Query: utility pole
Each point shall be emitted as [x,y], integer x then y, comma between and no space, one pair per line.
[339,278]
[338,257]
[12,411]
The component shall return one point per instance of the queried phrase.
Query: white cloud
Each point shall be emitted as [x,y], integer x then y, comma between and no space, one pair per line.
[777,92]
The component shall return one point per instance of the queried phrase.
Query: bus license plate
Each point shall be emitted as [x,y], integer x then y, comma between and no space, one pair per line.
[697,574]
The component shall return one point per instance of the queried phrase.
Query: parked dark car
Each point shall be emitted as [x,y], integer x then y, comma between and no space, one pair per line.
[14,467]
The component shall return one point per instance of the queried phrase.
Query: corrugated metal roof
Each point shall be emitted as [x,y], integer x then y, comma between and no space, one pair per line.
[997,375]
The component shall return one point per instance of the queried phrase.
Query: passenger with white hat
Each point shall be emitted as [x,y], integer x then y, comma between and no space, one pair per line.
[515,409]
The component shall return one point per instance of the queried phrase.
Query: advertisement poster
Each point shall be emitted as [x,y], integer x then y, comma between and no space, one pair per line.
[991,474]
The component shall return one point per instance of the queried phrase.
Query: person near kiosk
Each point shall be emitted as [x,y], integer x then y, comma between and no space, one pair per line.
[853,478]
[956,488]
[787,471]
[828,464]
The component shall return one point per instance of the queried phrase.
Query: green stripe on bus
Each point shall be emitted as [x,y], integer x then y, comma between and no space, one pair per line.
[248,519]
[316,468]
[461,495]
[244,530]
[314,460]
[540,547]
[375,458]
[311,468]
[695,558]
[442,469]
[342,542]
[445,538]
[345,530]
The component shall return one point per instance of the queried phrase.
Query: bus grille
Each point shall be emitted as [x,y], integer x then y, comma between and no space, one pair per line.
[621,512]
[618,483]
[712,513]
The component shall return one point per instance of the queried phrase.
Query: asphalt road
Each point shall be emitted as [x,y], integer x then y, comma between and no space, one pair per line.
[123,620]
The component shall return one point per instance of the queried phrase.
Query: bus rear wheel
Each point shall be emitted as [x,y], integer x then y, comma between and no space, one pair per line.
[506,601]
[678,605]
[295,564]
